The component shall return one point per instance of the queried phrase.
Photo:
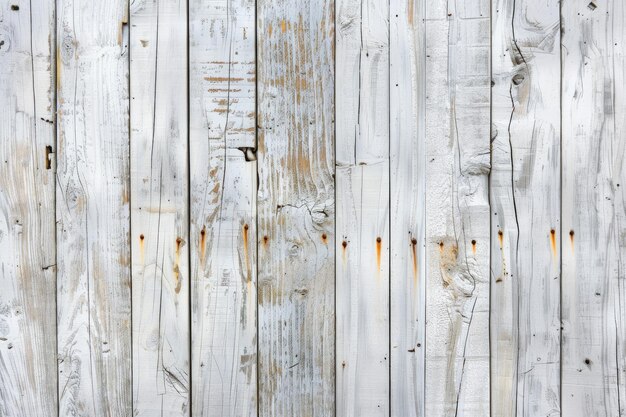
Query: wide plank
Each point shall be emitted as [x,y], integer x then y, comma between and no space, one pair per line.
[457,208]
[92,208]
[296,208]
[593,208]
[28,371]
[223,178]
[160,208]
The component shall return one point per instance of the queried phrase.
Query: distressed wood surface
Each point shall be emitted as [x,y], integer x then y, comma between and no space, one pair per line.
[407,199]
[223,207]
[362,224]
[28,370]
[159,208]
[593,216]
[457,208]
[296,208]
[525,241]
[93,290]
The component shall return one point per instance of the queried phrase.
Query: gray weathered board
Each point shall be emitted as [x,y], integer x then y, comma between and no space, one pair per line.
[315,208]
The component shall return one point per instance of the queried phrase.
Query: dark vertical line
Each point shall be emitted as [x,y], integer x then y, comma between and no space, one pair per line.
[54,65]
[256,205]
[560,206]
[424,83]
[389,252]
[189,213]
[489,196]
[336,240]
[130,213]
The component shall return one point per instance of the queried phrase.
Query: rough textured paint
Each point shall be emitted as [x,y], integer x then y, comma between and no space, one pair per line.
[159,208]
[28,369]
[457,207]
[594,208]
[93,254]
[295,207]
[223,208]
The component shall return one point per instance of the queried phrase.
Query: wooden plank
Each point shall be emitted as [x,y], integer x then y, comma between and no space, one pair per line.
[525,206]
[593,212]
[159,208]
[27,212]
[296,208]
[94,338]
[362,270]
[457,208]
[223,179]
[408,199]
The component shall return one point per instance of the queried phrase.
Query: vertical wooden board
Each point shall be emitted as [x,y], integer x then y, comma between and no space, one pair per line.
[27,244]
[525,206]
[362,146]
[593,208]
[223,207]
[408,196]
[296,208]
[94,339]
[457,208]
[159,207]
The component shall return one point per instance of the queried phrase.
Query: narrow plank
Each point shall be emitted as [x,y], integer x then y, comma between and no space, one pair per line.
[593,208]
[457,208]
[296,208]
[362,270]
[28,372]
[159,207]
[525,206]
[408,198]
[223,179]
[94,327]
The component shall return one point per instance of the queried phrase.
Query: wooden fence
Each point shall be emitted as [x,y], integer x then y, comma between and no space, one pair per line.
[312,208]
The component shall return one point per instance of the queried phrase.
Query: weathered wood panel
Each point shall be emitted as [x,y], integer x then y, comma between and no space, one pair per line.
[223,179]
[94,339]
[593,208]
[28,369]
[408,199]
[525,206]
[362,270]
[457,208]
[296,207]
[159,208]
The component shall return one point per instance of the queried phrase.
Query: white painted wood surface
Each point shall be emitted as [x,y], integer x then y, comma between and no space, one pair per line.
[362,225]
[159,208]
[28,370]
[594,228]
[296,209]
[457,208]
[407,199]
[223,175]
[525,240]
[93,288]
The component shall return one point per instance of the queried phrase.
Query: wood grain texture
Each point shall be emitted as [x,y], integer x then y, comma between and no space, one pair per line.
[362,272]
[159,208]
[525,206]
[296,208]
[593,208]
[223,177]
[408,199]
[457,208]
[28,370]
[94,339]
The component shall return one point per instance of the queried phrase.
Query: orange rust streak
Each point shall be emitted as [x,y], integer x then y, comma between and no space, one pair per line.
[378,252]
[344,245]
[177,280]
[501,238]
[245,252]
[413,244]
[283,26]
[141,247]
[571,238]
[553,241]
[324,239]
[202,244]
[474,247]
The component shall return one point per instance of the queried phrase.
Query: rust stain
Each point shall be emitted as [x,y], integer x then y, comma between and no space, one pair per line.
[269,30]
[553,241]
[245,255]
[410,11]
[283,26]
[141,247]
[378,251]
[265,240]
[413,248]
[344,246]
[202,244]
[571,238]
[474,247]
[48,160]
[441,247]
[324,239]
[177,279]
[501,238]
